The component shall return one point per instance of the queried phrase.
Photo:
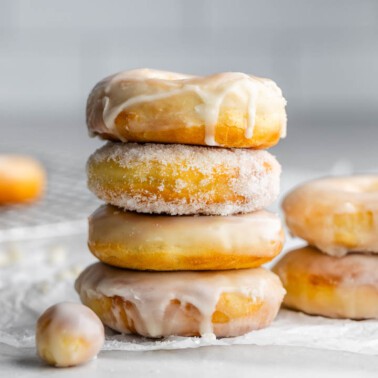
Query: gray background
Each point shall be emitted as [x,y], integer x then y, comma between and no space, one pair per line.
[323,54]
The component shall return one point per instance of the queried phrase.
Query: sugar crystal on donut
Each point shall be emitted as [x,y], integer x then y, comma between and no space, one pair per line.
[143,178]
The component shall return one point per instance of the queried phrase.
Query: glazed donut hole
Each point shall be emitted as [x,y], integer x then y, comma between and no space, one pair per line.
[68,334]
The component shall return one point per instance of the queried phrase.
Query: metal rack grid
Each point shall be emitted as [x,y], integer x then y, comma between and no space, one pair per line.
[63,209]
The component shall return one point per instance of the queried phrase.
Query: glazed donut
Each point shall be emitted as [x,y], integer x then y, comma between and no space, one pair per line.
[160,304]
[22,179]
[161,242]
[337,215]
[179,179]
[229,109]
[330,286]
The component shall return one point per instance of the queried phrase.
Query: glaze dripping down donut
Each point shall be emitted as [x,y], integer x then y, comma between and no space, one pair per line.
[158,304]
[229,109]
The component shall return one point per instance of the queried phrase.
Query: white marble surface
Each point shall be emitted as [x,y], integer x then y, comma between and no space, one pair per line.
[236,361]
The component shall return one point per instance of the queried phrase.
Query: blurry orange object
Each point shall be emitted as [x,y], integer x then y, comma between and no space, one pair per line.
[22,179]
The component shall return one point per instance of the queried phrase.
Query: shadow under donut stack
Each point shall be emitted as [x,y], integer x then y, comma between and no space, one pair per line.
[337,275]
[185,179]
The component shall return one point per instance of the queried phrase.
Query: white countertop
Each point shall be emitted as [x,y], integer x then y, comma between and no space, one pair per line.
[237,361]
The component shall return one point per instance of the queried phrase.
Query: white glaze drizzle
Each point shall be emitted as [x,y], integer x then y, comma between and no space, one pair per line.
[77,320]
[152,292]
[212,91]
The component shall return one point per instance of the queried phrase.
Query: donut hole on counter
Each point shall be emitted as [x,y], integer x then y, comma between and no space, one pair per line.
[68,334]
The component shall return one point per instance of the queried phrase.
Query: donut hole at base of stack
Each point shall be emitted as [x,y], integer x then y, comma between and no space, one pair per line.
[160,304]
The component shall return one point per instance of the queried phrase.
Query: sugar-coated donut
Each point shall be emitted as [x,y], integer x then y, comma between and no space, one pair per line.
[337,215]
[22,179]
[159,304]
[69,334]
[179,179]
[229,109]
[161,242]
[335,287]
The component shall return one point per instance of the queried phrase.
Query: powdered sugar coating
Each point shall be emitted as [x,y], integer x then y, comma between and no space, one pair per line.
[249,179]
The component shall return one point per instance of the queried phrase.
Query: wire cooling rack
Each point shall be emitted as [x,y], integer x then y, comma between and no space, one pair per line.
[63,209]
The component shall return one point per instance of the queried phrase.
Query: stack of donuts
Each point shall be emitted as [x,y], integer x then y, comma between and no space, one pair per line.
[337,274]
[185,179]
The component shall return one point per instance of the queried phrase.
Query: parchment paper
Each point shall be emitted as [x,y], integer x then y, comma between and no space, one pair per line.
[35,274]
